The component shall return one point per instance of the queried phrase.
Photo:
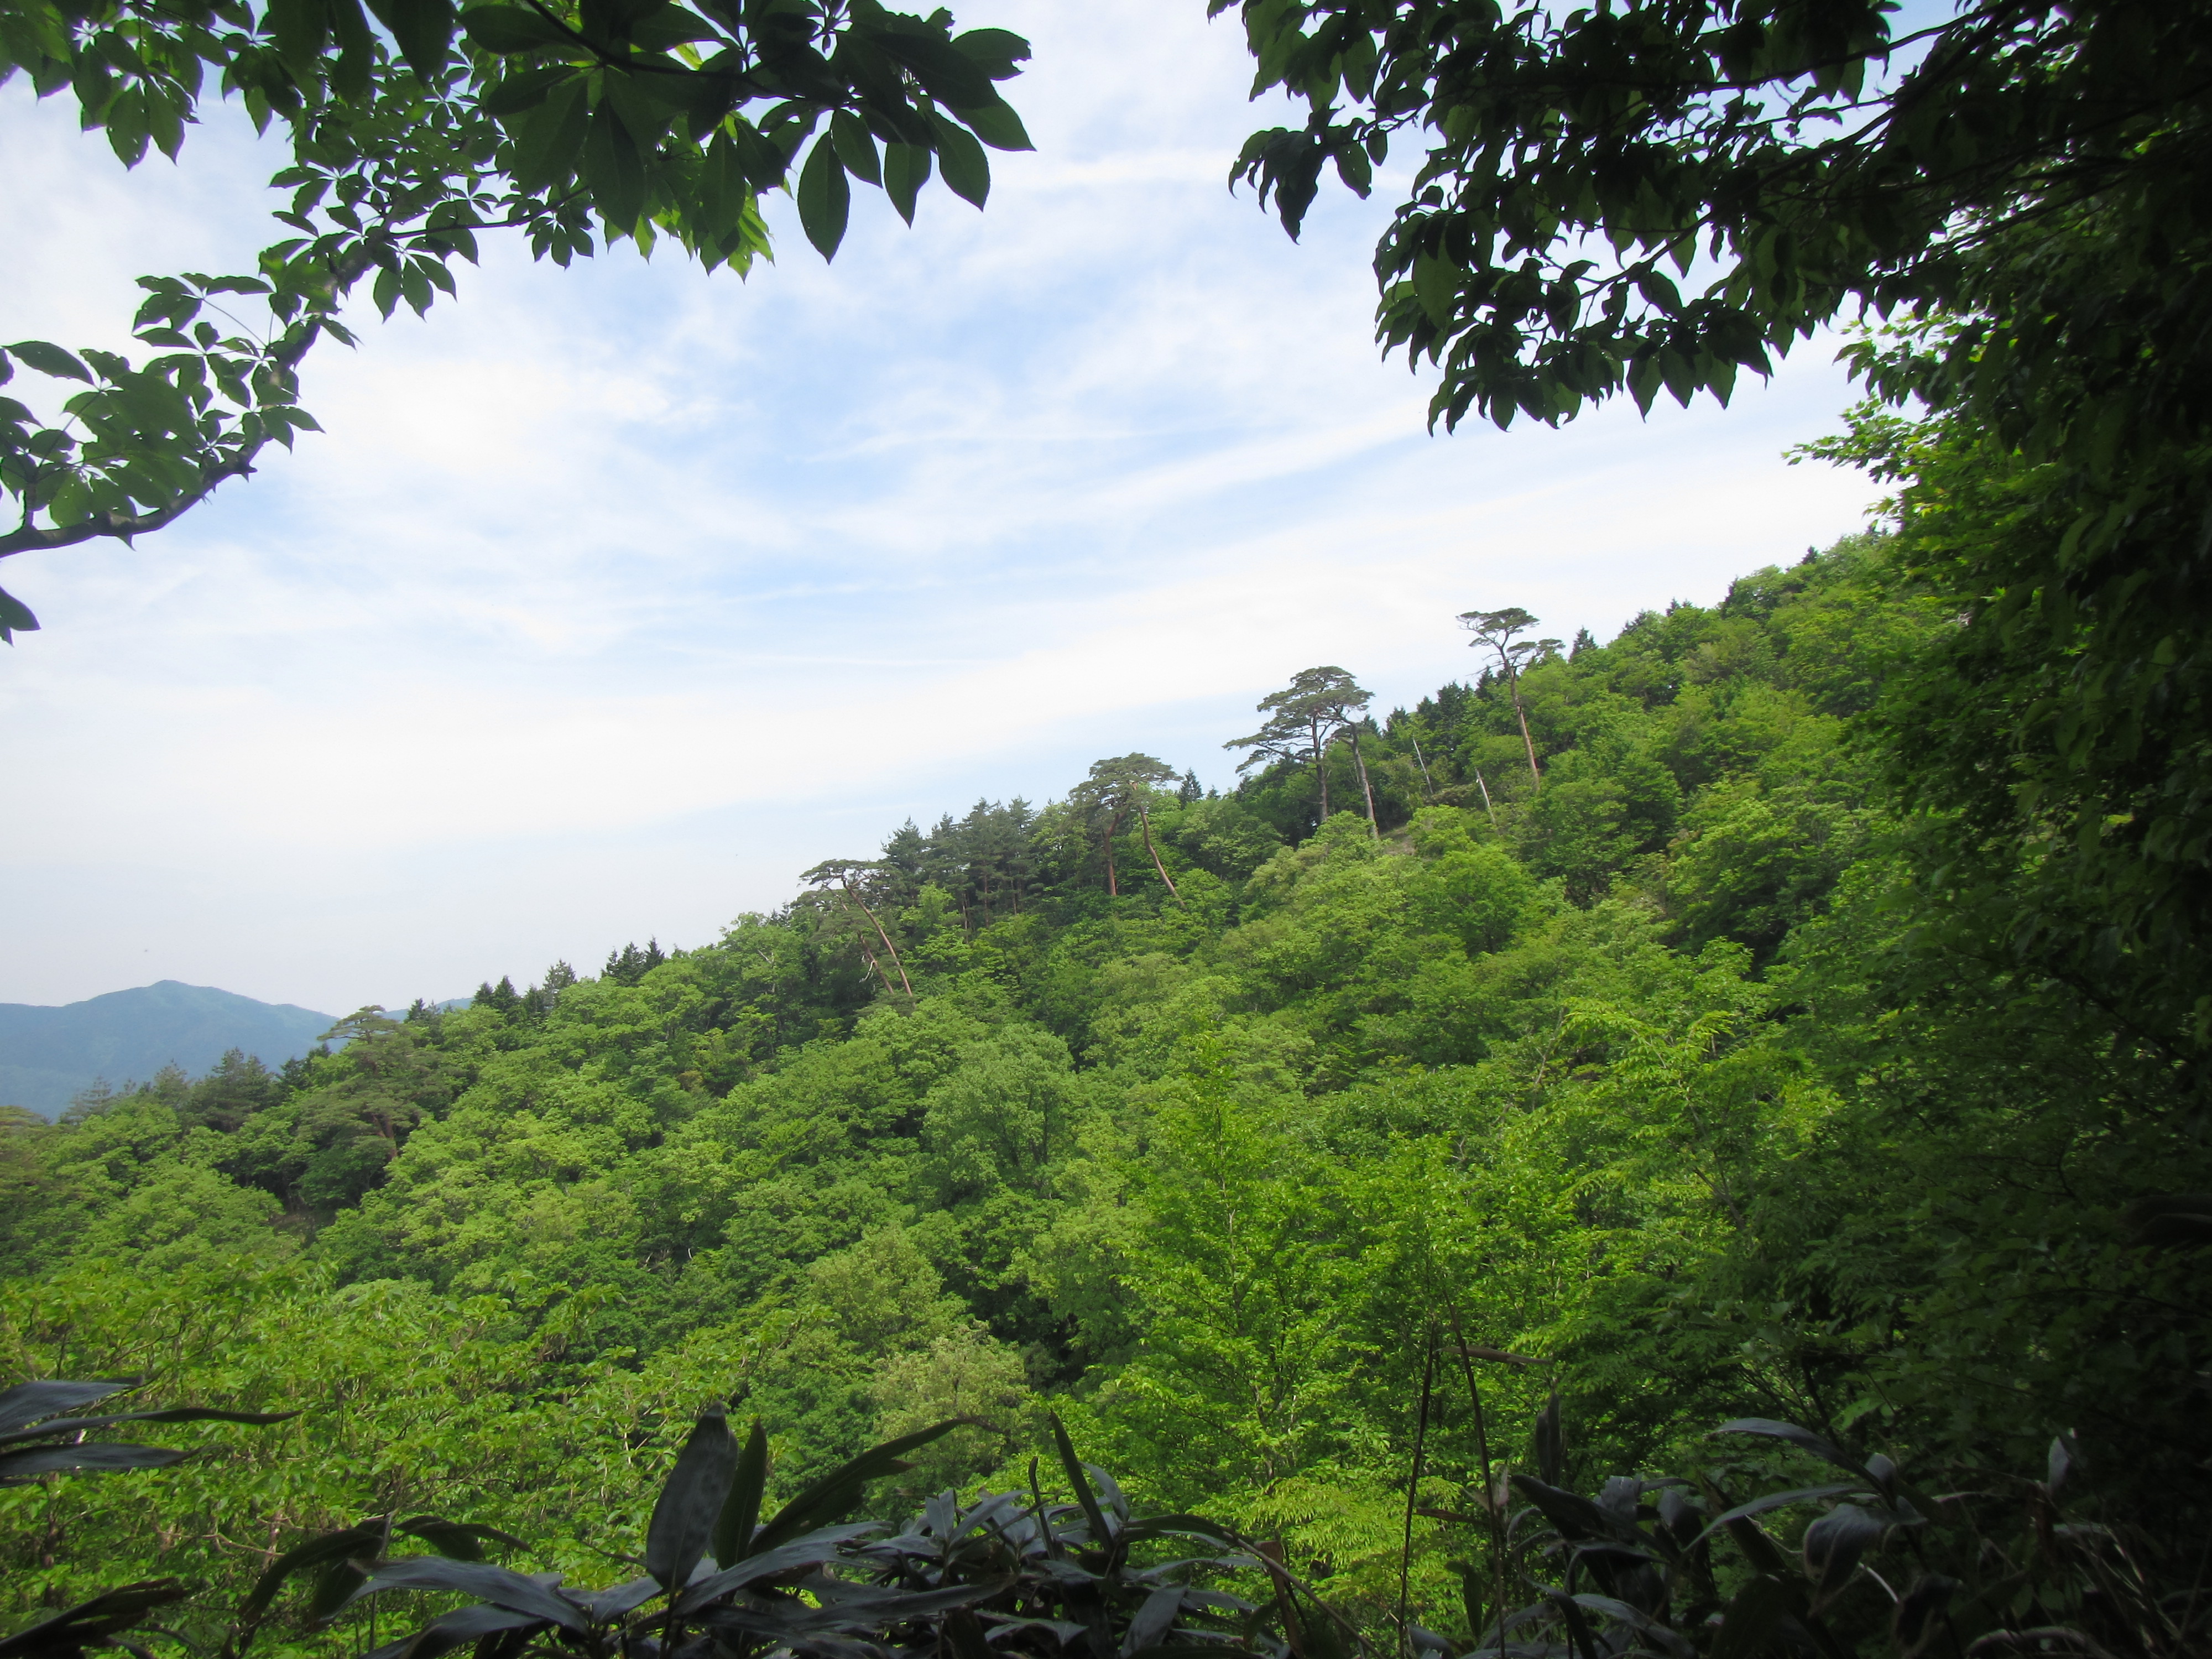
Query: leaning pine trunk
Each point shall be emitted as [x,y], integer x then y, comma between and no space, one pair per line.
[886,938]
[1513,684]
[1366,788]
[1145,819]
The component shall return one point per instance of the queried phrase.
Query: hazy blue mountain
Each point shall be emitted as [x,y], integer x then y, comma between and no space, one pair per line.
[48,1054]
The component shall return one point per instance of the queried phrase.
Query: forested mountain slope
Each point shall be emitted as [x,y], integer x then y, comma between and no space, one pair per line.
[1626,1047]
[49,1054]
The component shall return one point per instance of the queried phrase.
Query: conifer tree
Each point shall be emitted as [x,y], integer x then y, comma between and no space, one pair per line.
[1496,630]
[1115,789]
[1302,718]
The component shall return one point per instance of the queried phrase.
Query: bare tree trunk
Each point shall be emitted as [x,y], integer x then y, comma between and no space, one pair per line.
[1321,768]
[1428,785]
[1366,788]
[1486,807]
[1145,819]
[1513,684]
[1112,825]
[884,936]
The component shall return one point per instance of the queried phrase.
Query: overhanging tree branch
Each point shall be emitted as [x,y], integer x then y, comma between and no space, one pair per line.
[33,538]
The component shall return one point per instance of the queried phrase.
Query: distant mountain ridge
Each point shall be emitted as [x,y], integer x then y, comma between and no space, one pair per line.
[48,1054]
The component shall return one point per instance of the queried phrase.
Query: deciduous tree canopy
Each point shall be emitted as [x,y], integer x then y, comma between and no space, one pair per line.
[1657,194]
[1659,1072]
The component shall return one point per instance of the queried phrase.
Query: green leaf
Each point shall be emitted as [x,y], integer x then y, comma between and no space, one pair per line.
[906,169]
[996,52]
[96,88]
[462,1541]
[836,1492]
[350,74]
[763,165]
[691,1501]
[552,139]
[424,30]
[511,94]
[88,1625]
[855,147]
[1353,167]
[1643,379]
[612,170]
[733,1529]
[946,74]
[50,359]
[16,617]
[645,116]
[302,29]
[1657,288]
[1435,285]
[496,1585]
[463,1627]
[824,199]
[165,119]
[967,169]
[1803,1439]
[1776,1500]
[173,1414]
[127,132]
[97,1456]
[1100,1533]
[505,29]
[808,1549]
[670,26]
[996,124]
[366,1539]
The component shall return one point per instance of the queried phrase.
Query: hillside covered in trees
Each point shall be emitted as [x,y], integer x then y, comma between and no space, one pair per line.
[1620,1020]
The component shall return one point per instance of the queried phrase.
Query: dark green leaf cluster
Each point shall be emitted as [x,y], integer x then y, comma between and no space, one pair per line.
[1798,158]
[40,1433]
[1636,1568]
[1007,1572]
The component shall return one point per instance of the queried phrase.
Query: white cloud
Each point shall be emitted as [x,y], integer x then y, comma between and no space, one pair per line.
[614,597]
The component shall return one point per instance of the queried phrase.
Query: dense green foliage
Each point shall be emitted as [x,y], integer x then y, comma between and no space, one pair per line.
[1796,1007]
[1659,194]
[1576,163]
[1646,1064]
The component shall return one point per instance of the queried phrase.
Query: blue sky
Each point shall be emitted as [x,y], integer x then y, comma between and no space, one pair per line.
[614,598]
